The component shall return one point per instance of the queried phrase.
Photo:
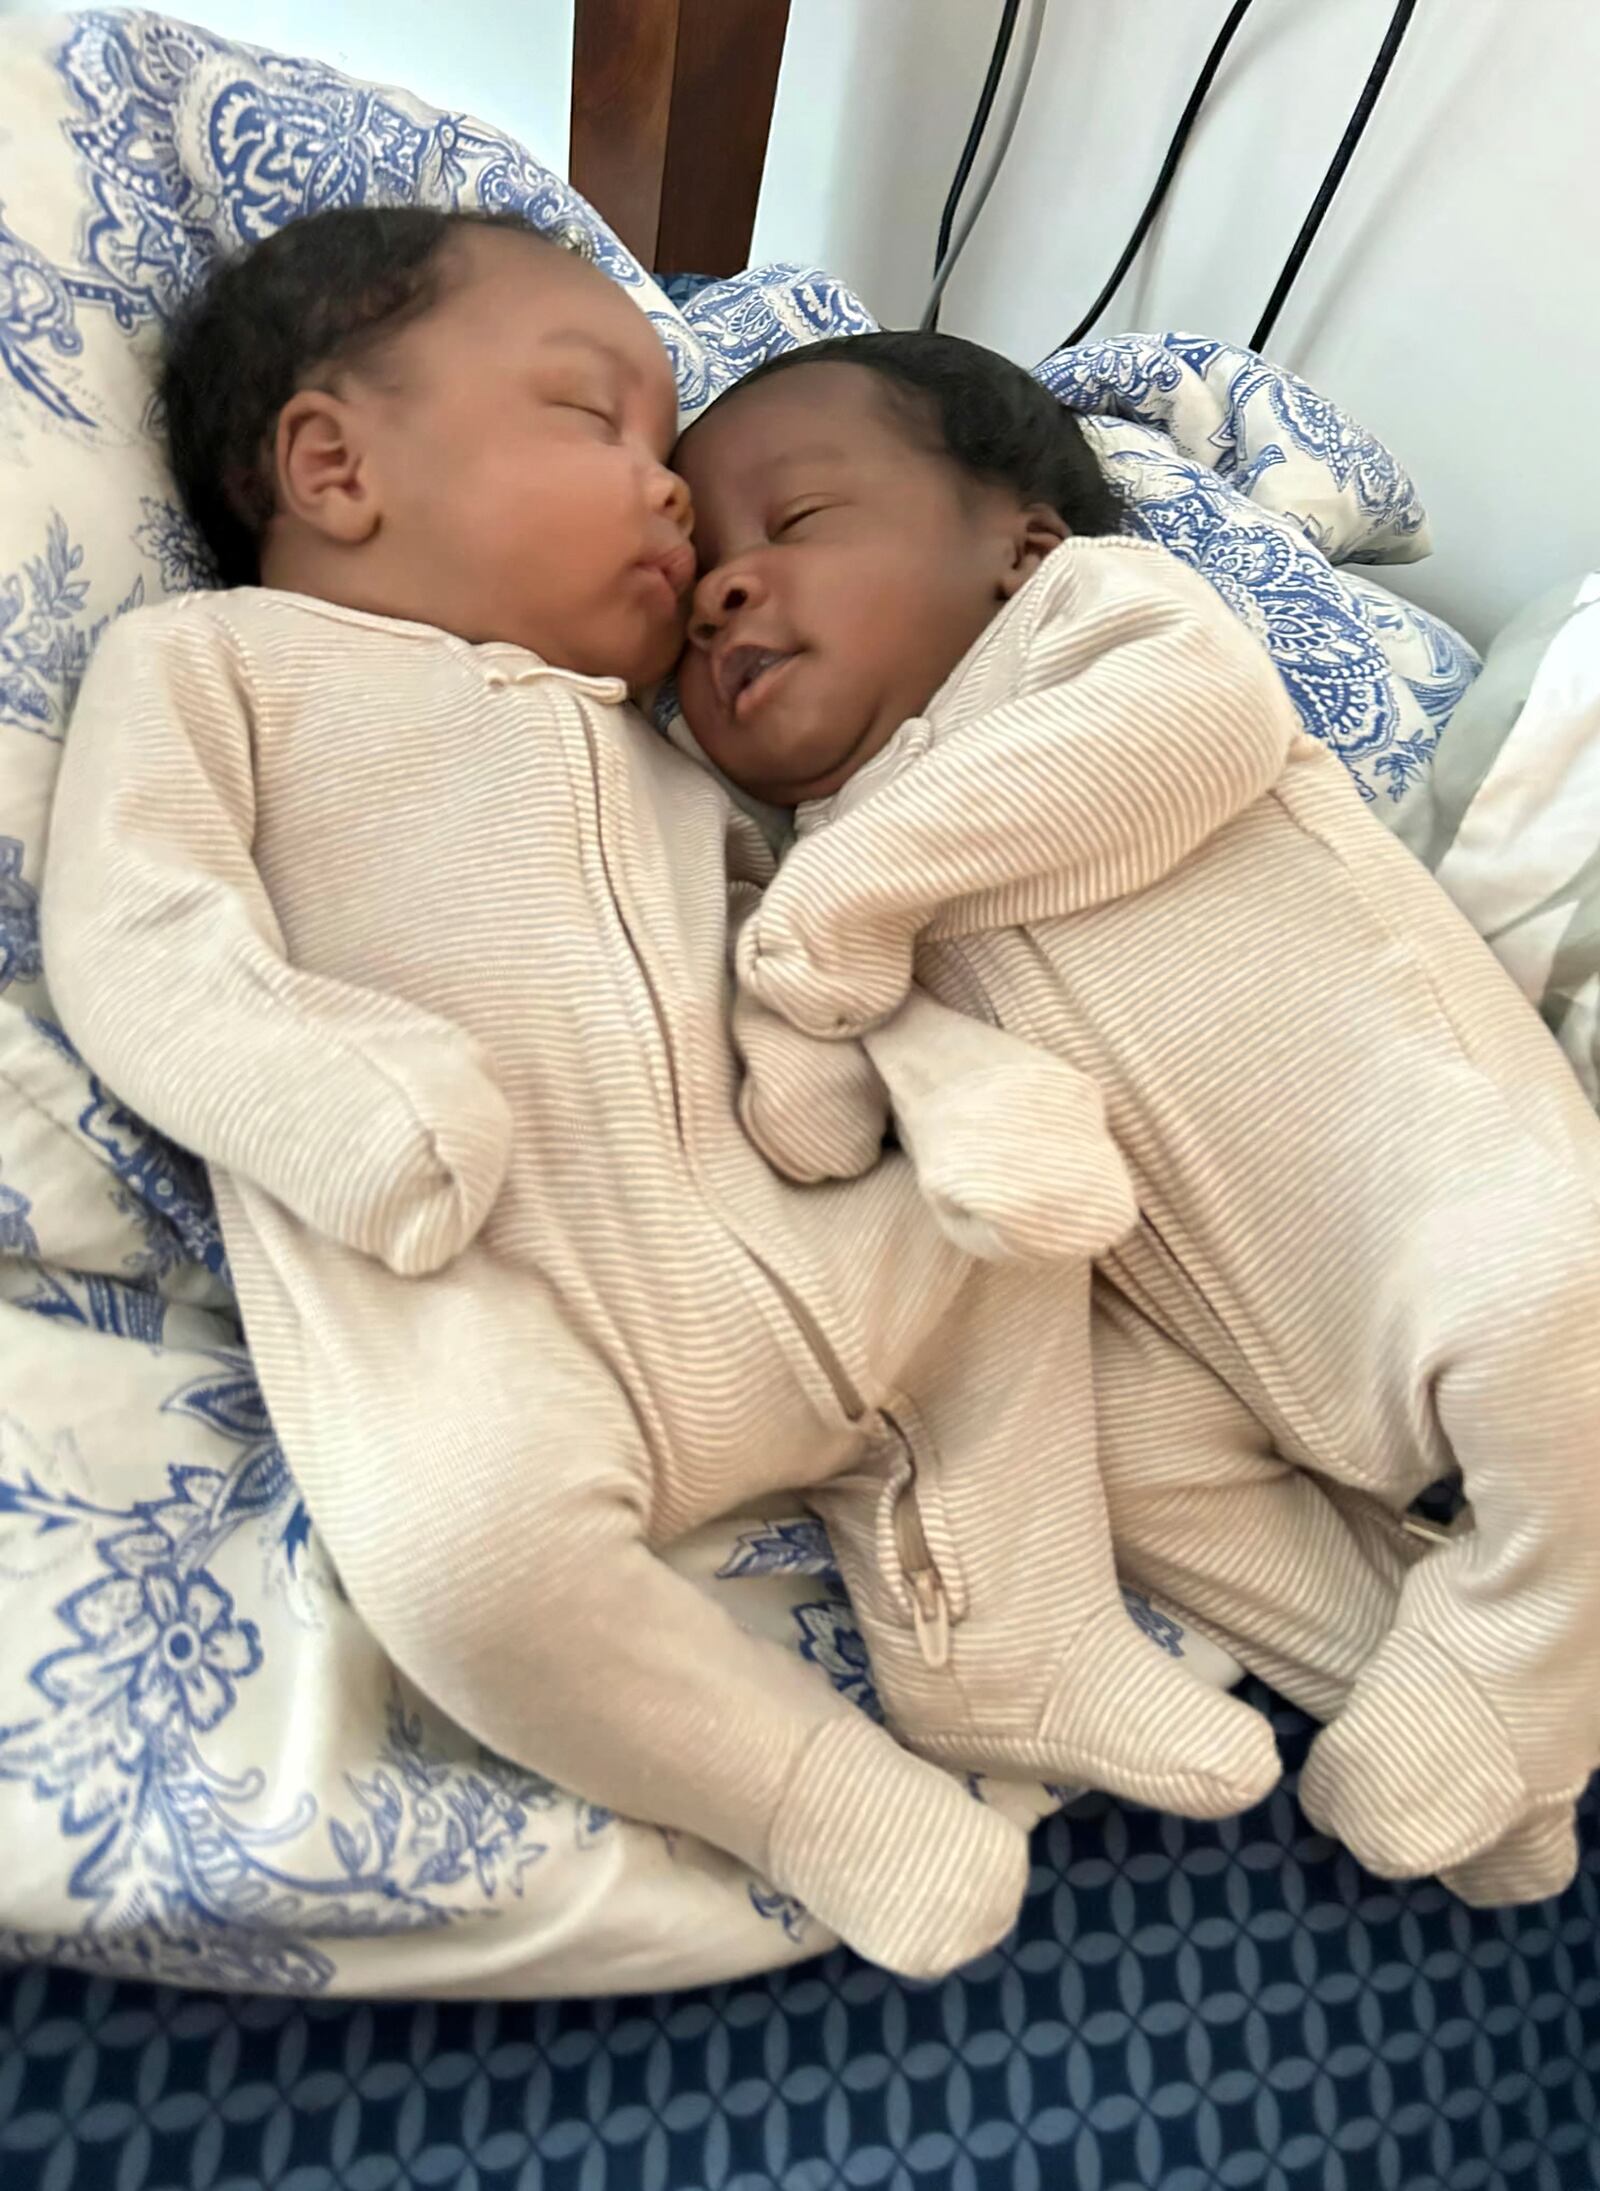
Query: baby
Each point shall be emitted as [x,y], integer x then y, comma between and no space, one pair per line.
[367,883]
[1039,764]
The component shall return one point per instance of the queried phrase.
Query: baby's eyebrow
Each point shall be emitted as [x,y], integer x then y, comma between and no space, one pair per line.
[579,338]
[810,452]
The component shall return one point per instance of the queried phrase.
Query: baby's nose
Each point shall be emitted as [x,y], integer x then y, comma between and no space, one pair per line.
[675,499]
[719,595]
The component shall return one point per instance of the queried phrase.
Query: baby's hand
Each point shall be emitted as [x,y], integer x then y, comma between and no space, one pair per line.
[1009,1142]
[784,959]
[433,1162]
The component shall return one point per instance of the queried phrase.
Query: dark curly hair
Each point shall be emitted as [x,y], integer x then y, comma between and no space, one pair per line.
[987,415]
[323,291]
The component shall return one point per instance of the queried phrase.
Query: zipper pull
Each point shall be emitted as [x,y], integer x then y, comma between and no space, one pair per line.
[1419,1525]
[930,1615]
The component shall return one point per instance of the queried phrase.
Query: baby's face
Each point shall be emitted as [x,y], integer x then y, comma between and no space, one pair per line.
[518,433]
[845,572]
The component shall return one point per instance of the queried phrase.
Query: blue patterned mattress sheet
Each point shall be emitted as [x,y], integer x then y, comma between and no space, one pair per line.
[1183,2008]
[209,1772]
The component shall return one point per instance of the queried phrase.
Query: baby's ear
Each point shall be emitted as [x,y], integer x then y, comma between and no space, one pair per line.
[1038,529]
[322,477]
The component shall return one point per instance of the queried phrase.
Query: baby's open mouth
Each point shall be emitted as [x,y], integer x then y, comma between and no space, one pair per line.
[742,669]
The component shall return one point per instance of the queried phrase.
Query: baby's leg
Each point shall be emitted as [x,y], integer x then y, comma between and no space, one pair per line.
[1480,1712]
[975,1547]
[490,1511]
[1299,1579]
[1299,1583]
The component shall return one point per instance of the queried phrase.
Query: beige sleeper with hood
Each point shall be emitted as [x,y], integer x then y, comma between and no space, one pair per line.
[1109,838]
[424,947]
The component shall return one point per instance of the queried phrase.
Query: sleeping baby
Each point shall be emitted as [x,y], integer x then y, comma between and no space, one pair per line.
[1039,766]
[367,882]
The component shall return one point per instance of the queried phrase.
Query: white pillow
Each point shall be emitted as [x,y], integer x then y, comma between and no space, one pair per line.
[1509,820]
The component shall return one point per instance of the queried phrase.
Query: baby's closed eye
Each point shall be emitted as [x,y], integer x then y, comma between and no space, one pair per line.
[793,518]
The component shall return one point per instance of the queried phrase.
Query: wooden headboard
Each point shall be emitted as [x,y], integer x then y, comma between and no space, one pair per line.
[671,106]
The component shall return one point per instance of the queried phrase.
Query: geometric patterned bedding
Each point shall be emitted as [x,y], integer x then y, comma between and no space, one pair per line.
[1184,2007]
[208,1773]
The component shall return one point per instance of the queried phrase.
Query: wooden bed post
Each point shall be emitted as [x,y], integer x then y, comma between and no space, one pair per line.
[671,106]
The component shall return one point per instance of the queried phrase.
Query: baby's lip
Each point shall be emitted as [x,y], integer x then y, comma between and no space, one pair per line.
[676,565]
[735,669]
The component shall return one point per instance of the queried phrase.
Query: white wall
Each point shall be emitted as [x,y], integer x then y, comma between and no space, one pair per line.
[874,98]
[1450,301]
[505,61]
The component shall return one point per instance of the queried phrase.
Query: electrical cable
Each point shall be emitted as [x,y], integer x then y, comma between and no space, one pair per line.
[1002,144]
[1169,167]
[1358,121]
[980,122]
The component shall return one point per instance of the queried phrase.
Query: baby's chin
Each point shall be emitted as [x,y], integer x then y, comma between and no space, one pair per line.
[643,670]
[837,761]
[800,784]
[645,679]
[802,760]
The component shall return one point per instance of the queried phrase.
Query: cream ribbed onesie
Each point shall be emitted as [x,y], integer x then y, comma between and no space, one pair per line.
[1369,1247]
[424,946]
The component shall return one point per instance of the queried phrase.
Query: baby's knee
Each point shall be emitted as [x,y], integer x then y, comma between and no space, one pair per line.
[1558,1271]
[505,1558]
[1522,1366]
[1511,1268]
[1204,1441]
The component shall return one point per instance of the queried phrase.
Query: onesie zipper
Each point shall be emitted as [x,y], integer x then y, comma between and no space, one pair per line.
[930,1608]
[932,1615]
[925,1588]
[851,1403]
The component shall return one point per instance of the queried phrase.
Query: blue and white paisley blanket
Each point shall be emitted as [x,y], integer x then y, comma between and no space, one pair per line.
[208,1772]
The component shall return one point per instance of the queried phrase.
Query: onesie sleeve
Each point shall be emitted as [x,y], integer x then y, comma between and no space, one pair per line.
[1138,717]
[376,1123]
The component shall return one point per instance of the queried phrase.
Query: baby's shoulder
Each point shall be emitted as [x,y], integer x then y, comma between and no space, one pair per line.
[153,645]
[186,625]
[1097,573]
[215,657]
[1130,599]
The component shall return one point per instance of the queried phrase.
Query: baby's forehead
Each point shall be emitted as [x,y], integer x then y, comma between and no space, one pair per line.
[805,415]
[559,297]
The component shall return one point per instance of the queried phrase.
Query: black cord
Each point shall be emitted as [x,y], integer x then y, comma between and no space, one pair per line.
[1335,175]
[1169,167]
[980,122]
